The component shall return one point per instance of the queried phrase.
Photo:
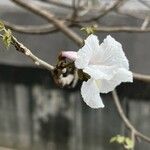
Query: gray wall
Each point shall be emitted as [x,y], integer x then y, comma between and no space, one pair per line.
[34,114]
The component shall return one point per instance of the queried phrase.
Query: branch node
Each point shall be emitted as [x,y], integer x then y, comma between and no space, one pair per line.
[28,53]
[37,63]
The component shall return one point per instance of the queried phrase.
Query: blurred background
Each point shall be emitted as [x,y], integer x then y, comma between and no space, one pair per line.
[35,114]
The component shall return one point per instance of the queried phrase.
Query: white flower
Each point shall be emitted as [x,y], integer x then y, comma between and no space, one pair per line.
[107,66]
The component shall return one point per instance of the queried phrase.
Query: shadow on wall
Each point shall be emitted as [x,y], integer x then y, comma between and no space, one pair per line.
[57,129]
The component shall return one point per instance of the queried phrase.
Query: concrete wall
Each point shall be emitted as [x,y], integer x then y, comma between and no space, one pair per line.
[35,114]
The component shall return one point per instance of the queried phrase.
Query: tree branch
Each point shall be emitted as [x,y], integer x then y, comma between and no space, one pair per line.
[50,17]
[75,37]
[141,77]
[126,121]
[145,23]
[33,29]
[61,4]
[145,3]
[48,28]
[21,48]
[131,14]
[121,29]
[112,6]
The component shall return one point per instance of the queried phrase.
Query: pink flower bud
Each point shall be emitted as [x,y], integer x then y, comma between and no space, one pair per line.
[69,54]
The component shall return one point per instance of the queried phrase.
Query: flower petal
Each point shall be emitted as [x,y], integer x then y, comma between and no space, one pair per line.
[100,72]
[69,54]
[113,54]
[84,54]
[122,75]
[90,94]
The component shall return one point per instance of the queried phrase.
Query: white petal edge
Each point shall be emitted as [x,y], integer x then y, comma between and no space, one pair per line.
[122,75]
[90,94]
[113,53]
[85,54]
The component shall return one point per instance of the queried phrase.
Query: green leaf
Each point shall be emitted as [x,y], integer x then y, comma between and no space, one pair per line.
[89,30]
[7,38]
[1,26]
[120,139]
[128,143]
[113,139]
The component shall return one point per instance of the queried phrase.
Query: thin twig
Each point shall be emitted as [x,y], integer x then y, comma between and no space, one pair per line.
[112,6]
[68,31]
[75,37]
[61,4]
[48,28]
[121,29]
[126,120]
[37,61]
[130,14]
[121,112]
[49,16]
[133,139]
[146,3]
[75,10]
[145,23]
[33,29]
[141,77]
